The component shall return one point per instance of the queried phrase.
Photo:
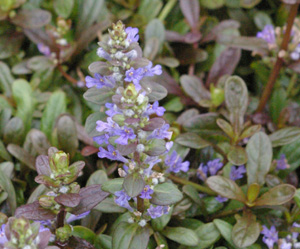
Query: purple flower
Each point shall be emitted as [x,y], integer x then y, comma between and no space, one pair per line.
[103,54]
[270,236]
[149,71]
[132,34]
[221,199]
[122,199]
[154,108]
[285,244]
[237,172]
[282,163]
[295,234]
[155,212]
[202,172]
[3,238]
[268,34]
[147,192]
[175,164]
[74,217]
[113,109]
[161,133]
[101,139]
[111,127]
[134,75]
[151,161]
[214,166]
[125,133]
[111,154]
[45,50]
[99,81]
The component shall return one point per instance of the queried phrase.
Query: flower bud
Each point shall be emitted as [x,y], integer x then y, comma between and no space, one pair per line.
[63,233]
[217,95]
[59,163]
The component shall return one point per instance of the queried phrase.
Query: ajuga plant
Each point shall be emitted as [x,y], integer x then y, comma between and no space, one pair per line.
[62,195]
[133,131]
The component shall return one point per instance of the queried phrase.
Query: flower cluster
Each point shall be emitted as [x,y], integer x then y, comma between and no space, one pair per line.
[273,36]
[134,132]
[19,233]
[270,238]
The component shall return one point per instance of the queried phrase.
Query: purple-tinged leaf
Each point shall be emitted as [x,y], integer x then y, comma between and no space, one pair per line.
[68,200]
[133,185]
[126,149]
[89,150]
[154,123]
[22,155]
[91,196]
[224,64]
[46,180]
[189,38]
[34,211]
[32,19]
[42,165]
[78,243]
[191,11]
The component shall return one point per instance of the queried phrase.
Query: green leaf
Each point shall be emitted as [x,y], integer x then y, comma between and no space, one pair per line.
[63,8]
[237,155]
[3,152]
[226,127]
[23,95]
[104,241]
[226,188]
[14,131]
[225,230]
[155,29]
[32,18]
[181,235]
[292,151]
[67,135]
[130,236]
[113,185]
[5,115]
[246,231]
[212,4]
[191,140]
[212,205]
[98,177]
[166,194]
[7,186]
[202,123]
[133,184]
[285,136]
[159,223]
[297,197]
[22,155]
[84,233]
[208,234]
[250,131]
[108,205]
[259,150]
[90,123]
[261,19]
[277,195]
[56,105]
[149,9]
[6,79]
[249,3]
[156,91]
[98,96]
[194,87]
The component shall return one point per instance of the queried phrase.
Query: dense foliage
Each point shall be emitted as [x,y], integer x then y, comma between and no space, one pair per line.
[149,124]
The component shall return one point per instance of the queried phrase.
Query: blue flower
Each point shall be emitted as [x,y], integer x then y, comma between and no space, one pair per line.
[237,172]
[202,172]
[221,199]
[110,126]
[99,81]
[149,71]
[285,244]
[175,164]
[113,109]
[74,217]
[125,133]
[155,212]
[101,139]
[134,76]
[122,199]
[151,161]
[3,238]
[268,34]
[270,236]
[111,154]
[132,34]
[147,192]
[161,133]
[282,163]
[45,50]
[103,54]
[154,108]
[214,166]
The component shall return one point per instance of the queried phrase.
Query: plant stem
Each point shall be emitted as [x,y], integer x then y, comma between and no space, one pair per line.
[279,62]
[227,213]
[67,76]
[166,10]
[140,204]
[195,185]
[61,218]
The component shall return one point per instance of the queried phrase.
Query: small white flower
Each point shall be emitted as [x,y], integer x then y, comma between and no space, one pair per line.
[154,181]
[140,99]
[142,223]
[131,220]
[140,148]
